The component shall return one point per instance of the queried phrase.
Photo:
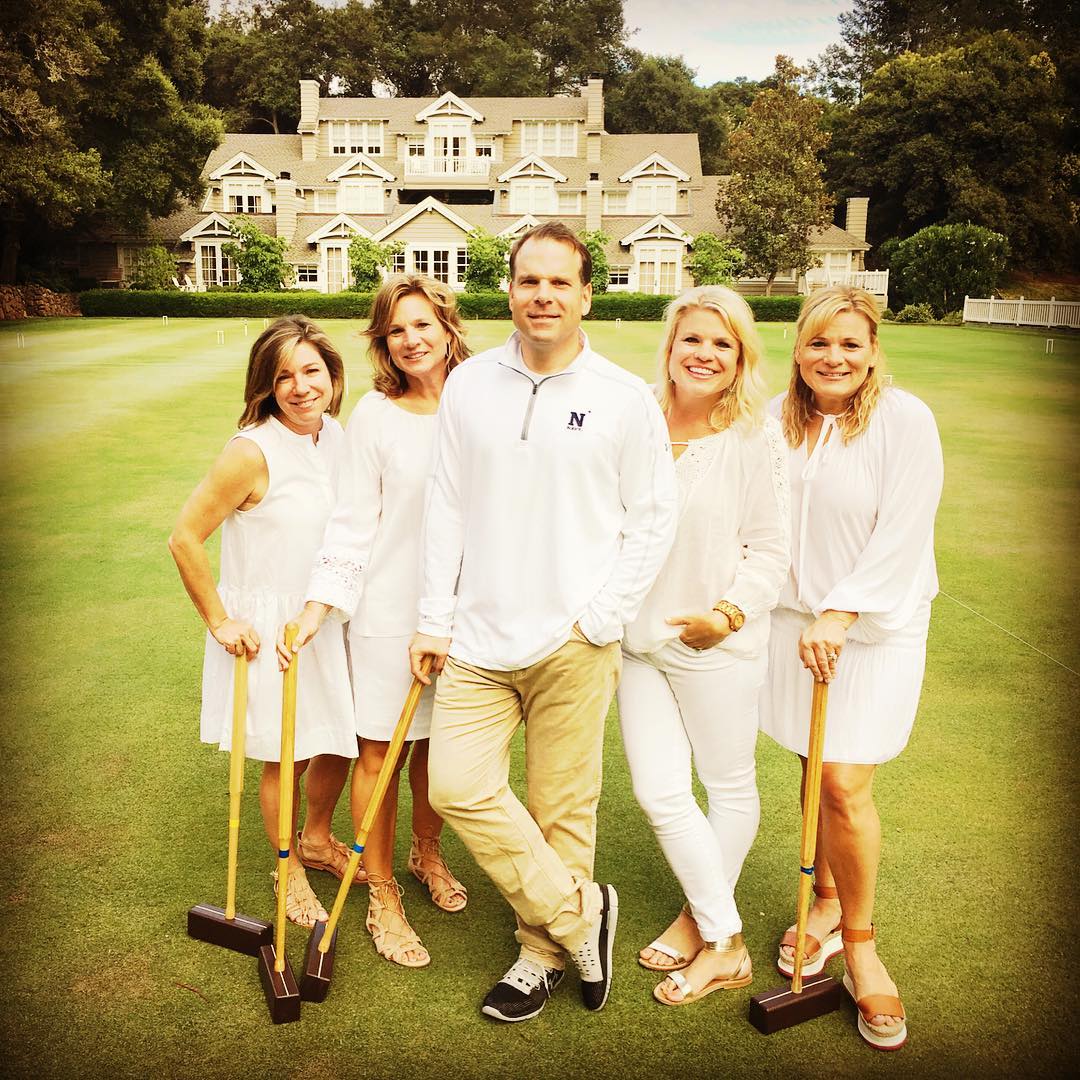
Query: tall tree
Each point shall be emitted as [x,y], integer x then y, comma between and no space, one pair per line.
[97,114]
[775,197]
[972,133]
[658,94]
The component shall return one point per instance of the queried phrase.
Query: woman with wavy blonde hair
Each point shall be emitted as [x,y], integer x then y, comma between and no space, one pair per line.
[865,467]
[694,658]
[367,572]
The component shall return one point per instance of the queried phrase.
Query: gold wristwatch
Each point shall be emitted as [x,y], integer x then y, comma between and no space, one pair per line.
[734,615]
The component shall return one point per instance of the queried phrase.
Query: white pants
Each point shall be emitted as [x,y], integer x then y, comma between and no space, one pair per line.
[676,705]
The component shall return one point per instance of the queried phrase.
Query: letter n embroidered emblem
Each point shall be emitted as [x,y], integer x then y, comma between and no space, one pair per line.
[576,419]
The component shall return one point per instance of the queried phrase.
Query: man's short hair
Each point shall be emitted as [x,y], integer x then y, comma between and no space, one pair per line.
[563,234]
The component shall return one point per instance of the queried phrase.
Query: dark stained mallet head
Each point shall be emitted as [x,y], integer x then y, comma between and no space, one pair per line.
[242,933]
[779,1008]
[318,966]
[282,995]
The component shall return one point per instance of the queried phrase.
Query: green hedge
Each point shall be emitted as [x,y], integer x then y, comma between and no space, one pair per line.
[637,307]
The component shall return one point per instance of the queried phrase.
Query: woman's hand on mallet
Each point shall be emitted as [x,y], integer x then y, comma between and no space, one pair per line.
[308,622]
[425,645]
[236,636]
[702,631]
[822,642]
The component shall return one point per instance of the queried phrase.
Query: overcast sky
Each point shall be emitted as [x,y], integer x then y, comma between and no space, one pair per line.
[723,39]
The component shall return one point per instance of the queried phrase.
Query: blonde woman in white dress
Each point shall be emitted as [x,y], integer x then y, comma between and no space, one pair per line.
[271,491]
[694,658]
[865,465]
[367,571]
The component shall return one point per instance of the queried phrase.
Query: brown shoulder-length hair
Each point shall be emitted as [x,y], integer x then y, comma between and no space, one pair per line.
[272,350]
[388,377]
[818,311]
[744,400]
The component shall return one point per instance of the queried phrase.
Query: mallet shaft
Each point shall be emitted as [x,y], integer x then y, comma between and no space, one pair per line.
[285,794]
[236,776]
[811,807]
[382,782]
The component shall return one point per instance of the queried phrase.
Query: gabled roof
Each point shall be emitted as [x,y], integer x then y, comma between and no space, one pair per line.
[620,153]
[522,223]
[430,204]
[532,163]
[234,163]
[214,224]
[654,165]
[276,153]
[449,105]
[337,225]
[659,227]
[362,164]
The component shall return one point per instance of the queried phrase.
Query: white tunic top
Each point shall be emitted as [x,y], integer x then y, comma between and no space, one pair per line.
[266,555]
[863,541]
[732,541]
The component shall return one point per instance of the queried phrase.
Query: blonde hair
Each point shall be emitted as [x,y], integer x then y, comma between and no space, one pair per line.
[744,400]
[388,377]
[818,311]
[272,350]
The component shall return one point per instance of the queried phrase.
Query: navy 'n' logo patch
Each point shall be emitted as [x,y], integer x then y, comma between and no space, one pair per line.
[577,419]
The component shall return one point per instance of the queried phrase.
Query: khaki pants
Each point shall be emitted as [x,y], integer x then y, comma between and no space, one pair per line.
[541,859]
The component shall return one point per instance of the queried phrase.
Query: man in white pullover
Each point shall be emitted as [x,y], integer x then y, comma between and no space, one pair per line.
[550,512]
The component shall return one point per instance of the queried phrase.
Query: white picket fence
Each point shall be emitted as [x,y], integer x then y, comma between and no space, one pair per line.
[1023,312]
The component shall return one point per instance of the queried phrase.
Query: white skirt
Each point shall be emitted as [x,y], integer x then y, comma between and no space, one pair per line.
[872,700]
[381,681]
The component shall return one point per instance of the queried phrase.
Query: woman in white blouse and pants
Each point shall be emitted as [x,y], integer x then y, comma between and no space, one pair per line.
[694,659]
[865,465]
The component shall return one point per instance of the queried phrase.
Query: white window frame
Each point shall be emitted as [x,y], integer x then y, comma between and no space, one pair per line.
[349,137]
[613,199]
[533,195]
[619,277]
[251,192]
[416,146]
[549,138]
[325,260]
[420,258]
[307,276]
[359,196]
[224,269]
[568,202]
[653,195]
[658,255]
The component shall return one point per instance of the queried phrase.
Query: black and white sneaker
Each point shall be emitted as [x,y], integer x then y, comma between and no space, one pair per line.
[522,992]
[593,959]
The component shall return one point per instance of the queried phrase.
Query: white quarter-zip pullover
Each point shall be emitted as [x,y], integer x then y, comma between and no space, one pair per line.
[552,501]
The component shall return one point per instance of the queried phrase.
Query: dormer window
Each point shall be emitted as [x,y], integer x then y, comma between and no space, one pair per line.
[532,197]
[549,138]
[244,196]
[356,137]
[653,195]
[360,197]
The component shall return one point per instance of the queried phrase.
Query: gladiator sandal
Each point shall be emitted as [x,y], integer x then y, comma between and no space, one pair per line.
[427,865]
[393,936]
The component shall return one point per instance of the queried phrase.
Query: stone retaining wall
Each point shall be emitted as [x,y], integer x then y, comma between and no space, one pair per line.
[24,301]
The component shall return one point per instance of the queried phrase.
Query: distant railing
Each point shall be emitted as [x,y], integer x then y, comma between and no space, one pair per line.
[447,166]
[1021,312]
[873,281]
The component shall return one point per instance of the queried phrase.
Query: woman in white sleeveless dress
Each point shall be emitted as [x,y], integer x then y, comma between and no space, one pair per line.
[694,658]
[865,464]
[368,572]
[271,491]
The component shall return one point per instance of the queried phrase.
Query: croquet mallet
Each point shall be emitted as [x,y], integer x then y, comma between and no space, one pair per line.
[319,958]
[279,985]
[783,1007]
[206,922]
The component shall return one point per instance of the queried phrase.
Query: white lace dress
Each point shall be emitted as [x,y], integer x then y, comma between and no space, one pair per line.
[266,555]
[368,568]
[863,541]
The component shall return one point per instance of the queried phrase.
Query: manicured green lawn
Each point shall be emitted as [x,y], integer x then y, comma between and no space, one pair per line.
[115,815]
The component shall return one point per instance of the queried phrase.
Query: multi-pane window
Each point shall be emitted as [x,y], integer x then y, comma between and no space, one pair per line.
[307,274]
[216,267]
[619,275]
[485,148]
[569,202]
[360,197]
[356,137]
[616,202]
[421,262]
[244,196]
[440,261]
[654,196]
[462,262]
[397,263]
[336,268]
[532,197]
[549,138]
[416,146]
[658,270]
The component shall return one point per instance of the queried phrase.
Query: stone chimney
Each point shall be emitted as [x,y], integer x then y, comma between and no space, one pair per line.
[594,195]
[285,206]
[855,218]
[594,105]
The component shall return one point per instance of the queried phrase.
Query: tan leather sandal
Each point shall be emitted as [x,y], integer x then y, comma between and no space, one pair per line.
[818,953]
[336,863]
[427,865]
[879,1036]
[742,975]
[393,936]
[301,904]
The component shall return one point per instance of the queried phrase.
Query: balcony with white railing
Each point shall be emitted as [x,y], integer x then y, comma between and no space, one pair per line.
[873,281]
[447,170]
